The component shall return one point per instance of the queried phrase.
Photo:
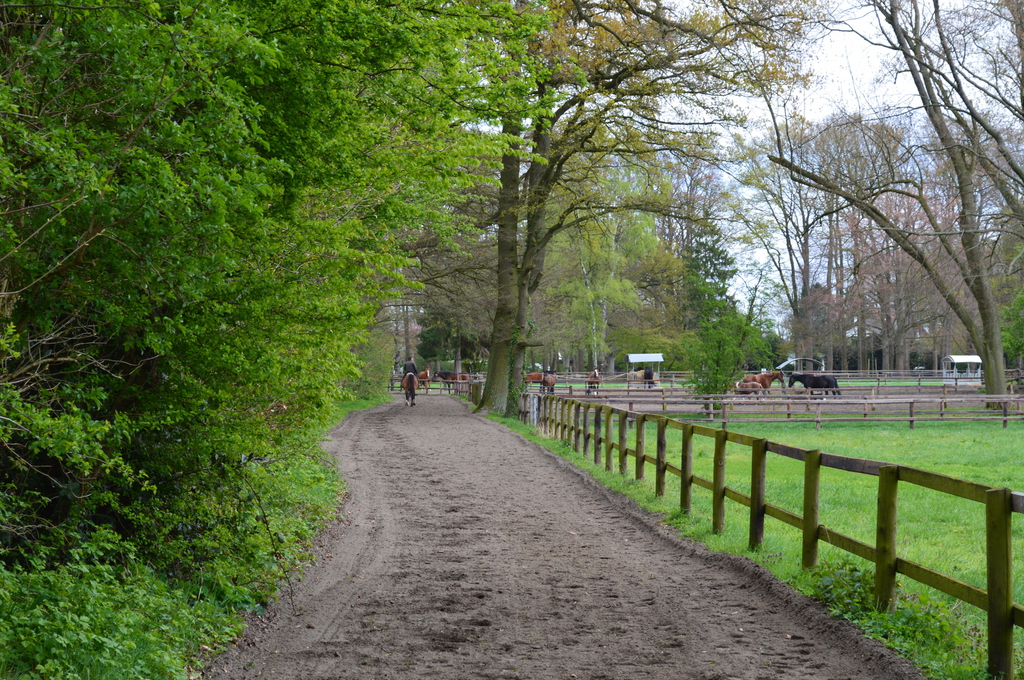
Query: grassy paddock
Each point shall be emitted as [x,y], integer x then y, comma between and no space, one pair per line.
[941,532]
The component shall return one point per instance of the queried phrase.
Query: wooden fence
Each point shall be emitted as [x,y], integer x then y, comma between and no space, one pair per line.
[587,427]
[789,407]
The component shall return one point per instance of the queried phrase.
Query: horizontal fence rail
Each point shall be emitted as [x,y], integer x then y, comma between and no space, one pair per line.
[587,427]
[799,405]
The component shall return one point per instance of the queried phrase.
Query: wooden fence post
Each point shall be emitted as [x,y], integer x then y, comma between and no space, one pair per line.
[659,474]
[607,438]
[999,549]
[552,430]
[758,476]
[812,486]
[686,470]
[623,431]
[577,406]
[568,425]
[597,435]
[885,538]
[641,443]
[586,429]
[718,484]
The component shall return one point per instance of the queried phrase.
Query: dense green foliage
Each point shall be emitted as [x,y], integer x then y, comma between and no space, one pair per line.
[199,205]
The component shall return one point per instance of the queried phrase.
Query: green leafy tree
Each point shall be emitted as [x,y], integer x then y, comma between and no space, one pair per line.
[199,218]
[619,80]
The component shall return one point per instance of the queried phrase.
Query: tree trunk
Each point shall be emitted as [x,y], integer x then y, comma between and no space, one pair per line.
[496,389]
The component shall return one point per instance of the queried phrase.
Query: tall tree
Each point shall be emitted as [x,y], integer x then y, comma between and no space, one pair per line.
[964,63]
[897,164]
[625,79]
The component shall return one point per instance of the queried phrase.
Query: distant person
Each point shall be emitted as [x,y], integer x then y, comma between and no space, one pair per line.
[649,377]
[410,367]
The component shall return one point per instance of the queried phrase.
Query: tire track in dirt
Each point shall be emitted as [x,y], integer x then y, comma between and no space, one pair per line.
[468,552]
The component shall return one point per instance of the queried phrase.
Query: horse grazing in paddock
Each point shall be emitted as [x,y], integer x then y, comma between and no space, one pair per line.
[649,377]
[593,381]
[749,387]
[409,384]
[825,383]
[765,380]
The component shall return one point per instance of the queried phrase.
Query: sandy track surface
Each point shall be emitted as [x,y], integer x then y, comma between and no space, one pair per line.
[468,552]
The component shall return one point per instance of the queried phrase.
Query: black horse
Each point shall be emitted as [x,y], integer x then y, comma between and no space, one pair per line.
[816,382]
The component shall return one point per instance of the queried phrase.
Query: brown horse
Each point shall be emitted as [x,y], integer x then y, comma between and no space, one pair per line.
[424,379]
[546,381]
[749,387]
[593,381]
[409,384]
[765,380]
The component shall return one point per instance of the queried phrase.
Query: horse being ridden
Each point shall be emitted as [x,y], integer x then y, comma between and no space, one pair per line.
[409,384]
[593,381]
[825,383]
[410,381]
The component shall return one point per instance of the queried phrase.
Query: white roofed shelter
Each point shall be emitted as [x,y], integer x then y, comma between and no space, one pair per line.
[644,359]
[961,369]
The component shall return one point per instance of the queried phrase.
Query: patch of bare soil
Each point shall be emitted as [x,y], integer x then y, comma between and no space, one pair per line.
[468,552]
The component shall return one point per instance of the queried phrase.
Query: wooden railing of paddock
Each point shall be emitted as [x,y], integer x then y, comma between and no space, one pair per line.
[587,427]
[796,408]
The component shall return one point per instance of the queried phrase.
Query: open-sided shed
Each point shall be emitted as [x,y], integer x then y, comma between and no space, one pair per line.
[961,369]
[655,358]
[637,361]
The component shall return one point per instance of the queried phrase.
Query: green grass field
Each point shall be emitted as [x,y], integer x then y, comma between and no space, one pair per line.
[942,532]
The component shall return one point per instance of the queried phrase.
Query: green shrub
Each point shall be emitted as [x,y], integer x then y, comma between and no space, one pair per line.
[102,616]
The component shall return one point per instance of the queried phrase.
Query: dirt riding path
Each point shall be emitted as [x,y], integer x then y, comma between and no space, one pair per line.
[467,552]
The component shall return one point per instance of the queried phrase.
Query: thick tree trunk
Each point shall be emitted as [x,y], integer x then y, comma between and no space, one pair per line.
[496,389]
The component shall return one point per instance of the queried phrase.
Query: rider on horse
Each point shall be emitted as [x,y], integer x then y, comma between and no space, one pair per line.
[410,381]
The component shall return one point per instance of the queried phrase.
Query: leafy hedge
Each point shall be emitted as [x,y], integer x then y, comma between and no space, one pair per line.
[200,211]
